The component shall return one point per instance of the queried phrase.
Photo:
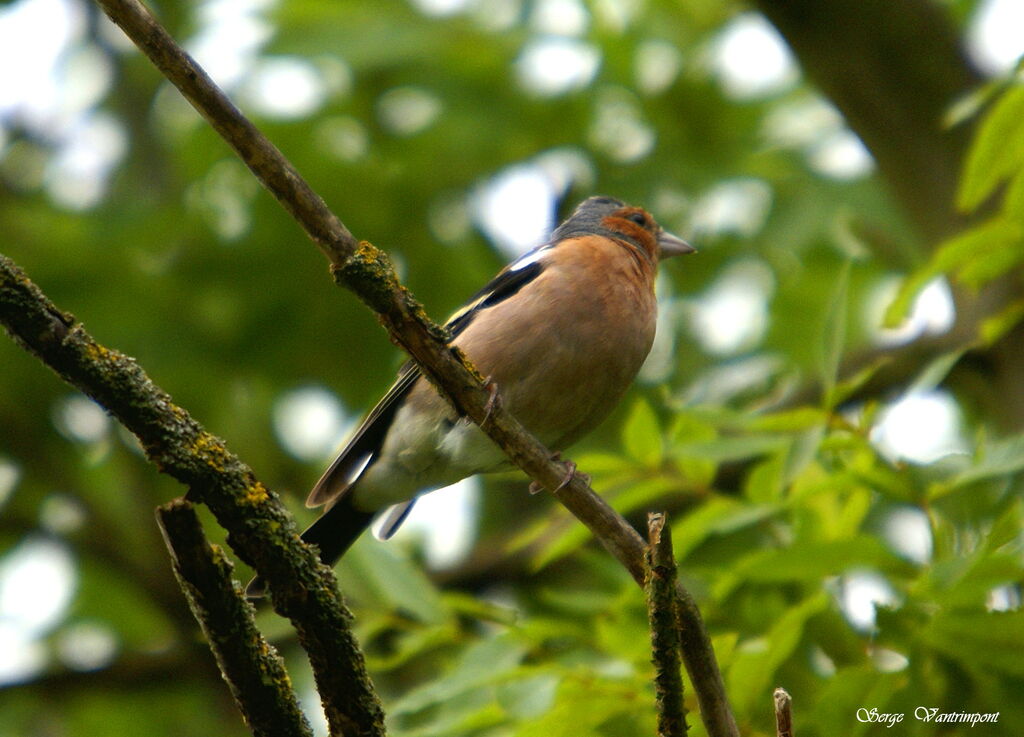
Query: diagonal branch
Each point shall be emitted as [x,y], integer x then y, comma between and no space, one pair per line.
[253,669]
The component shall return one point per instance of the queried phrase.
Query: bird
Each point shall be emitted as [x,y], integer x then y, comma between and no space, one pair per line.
[560,334]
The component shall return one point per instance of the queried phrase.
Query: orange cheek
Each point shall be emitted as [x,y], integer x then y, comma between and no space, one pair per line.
[633,232]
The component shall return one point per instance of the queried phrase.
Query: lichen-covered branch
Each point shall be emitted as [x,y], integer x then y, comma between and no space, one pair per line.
[260,529]
[252,668]
[664,623]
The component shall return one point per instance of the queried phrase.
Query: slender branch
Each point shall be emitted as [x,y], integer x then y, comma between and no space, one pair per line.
[368,272]
[664,624]
[783,713]
[272,169]
[260,529]
[254,671]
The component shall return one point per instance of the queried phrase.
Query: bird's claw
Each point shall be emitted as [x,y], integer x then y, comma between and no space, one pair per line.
[570,474]
[493,400]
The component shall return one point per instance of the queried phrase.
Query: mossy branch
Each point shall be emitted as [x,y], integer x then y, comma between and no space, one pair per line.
[260,529]
[662,615]
[252,668]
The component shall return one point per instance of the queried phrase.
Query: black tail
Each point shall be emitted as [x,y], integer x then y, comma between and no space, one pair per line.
[333,533]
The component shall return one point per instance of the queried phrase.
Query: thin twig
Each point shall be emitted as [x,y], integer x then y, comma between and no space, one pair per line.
[664,623]
[783,713]
[260,529]
[252,668]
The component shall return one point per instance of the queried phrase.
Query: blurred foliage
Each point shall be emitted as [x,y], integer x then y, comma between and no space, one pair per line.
[782,512]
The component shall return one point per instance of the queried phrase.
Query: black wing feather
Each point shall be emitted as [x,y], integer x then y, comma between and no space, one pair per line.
[366,441]
[501,287]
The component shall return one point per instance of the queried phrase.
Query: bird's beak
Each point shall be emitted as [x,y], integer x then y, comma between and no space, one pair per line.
[671,245]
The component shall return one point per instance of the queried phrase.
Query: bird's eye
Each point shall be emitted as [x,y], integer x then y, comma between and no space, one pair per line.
[637,217]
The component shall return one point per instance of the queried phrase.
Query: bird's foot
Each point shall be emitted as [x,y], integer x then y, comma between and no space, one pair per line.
[571,473]
[493,400]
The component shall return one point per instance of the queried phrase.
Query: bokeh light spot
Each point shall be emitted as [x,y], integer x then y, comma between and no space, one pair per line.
[309,422]
[920,428]
[732,315]
[285,87]
[444,522]
[555,65]
[516,208]
[994,38]
[406,111]
[751,59]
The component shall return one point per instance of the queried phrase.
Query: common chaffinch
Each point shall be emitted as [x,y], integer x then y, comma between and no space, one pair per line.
[560,332]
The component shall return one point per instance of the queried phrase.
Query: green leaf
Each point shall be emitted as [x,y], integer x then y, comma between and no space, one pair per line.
[791,420]
[802,451]
[987,640]
[756,661]
[734,449]
[641,435]
[718,516]
[997,150]
[847,387]
[1013,202]
[584,702]
[764,482]
[997,459]
[993,328]
[996,260]
[1007,528]
[811,562]
[853,688]
[971,103]
[638,493]
[483,663]
[604,464]
[687,427]
[834,333]
[964,583]
[969,247]
[528,698]
[642,492]
[936,371]
[378,575]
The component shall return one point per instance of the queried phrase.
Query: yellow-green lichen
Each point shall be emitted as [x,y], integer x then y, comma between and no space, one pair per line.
[211,450]
[256,493]
[415,309]
[470,366]
[369,273]
[96,352]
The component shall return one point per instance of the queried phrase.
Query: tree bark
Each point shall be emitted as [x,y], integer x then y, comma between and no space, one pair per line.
[252,668]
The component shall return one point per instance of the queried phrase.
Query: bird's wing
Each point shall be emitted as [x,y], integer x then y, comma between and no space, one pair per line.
[362,449]
[505,284]
[365,443]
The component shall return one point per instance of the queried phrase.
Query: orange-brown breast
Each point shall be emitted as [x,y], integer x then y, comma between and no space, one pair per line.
[563,351]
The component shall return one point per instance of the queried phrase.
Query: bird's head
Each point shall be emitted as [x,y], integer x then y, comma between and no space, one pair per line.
[614,218]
